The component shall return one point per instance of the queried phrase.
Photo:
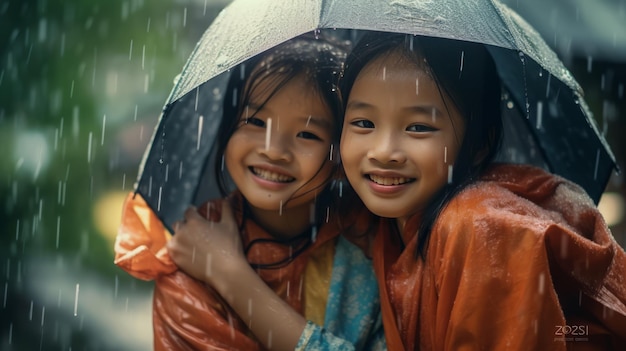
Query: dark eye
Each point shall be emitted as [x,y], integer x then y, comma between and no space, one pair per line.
[363,123]
[254,121]
[420,128]
[308,135]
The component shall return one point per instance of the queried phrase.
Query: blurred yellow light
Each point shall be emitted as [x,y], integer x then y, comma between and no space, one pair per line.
[612,208]
[107,213]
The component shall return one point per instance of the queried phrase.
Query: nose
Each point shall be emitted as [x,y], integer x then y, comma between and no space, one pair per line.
[277,145]
[387,149]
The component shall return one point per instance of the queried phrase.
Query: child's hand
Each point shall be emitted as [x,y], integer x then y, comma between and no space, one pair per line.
[207,251]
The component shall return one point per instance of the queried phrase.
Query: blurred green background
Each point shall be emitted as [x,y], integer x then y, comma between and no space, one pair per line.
[82,84]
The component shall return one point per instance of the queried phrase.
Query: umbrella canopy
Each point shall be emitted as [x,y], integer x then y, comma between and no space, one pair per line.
[543,99]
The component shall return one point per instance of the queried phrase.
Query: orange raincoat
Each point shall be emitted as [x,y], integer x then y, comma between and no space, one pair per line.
[521,260]
[181,303]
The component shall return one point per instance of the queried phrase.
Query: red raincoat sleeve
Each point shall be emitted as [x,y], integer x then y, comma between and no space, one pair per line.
[140,243]
[187,314]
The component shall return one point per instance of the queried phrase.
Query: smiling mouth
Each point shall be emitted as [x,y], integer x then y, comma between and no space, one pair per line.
[271,176]
[388,181]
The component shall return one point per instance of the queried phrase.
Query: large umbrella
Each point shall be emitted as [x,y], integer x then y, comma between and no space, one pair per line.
[547,120]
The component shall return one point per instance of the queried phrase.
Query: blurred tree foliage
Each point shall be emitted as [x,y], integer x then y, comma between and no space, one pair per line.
[73,75]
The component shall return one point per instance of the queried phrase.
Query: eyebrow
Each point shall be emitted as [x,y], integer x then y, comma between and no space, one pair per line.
[417,109]
[314,120]
[317,121]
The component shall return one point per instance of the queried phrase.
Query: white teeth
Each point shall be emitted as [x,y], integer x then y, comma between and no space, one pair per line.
[389,181]
[271,176]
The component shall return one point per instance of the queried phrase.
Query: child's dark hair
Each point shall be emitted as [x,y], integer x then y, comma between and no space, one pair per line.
[466,73]
[314,56]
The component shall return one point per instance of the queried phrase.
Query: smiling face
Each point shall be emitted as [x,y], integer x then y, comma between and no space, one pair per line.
[279,155]
[399,137]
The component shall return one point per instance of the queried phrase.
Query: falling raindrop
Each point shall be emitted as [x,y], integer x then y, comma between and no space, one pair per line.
[580,297]
[143,56]
[539,123]
[462,61]
[185,17]
[548,85]
[89,147]
[589,63]
[124,181]
[268,133]
[331,153]
[75,121]
[58,231]
[148,25]
[280,208]
[231,325]
[150,187]
[200,123]
[204,10]
[146,83]
[76,300]
[135,115]
[541,287]
[159,201]
[104,122]
[269,339]
[450,173]
[417,86]
[385,73]
[445,154]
